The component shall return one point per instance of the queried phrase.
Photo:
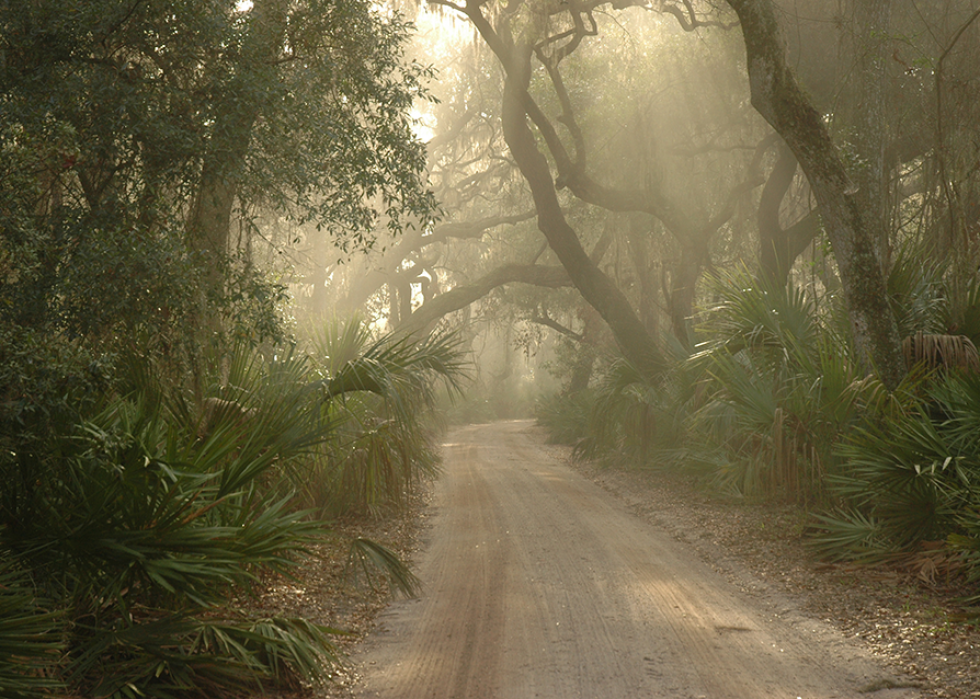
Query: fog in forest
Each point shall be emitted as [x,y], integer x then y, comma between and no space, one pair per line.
[648,107]
[254,255]
[665,173]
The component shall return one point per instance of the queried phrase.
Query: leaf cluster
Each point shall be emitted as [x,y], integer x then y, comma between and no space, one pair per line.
[143,514]
[377,393]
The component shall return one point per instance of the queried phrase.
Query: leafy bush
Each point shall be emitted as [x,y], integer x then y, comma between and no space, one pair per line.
[143,530]
[911,480]
[565,416]
[377,394]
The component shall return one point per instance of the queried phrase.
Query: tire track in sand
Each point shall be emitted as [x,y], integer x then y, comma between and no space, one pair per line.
[540,584]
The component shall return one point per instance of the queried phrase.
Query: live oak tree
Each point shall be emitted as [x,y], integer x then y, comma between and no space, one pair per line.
[482,242]
[528,34]
[850,226]
[527,31]
[153,132]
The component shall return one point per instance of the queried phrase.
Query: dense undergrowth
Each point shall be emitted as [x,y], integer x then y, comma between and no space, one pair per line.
[134,511]
[771,405]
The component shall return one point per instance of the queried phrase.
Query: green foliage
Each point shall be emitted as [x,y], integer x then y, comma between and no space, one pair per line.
[142,514]
[783,389]
[143,528]
[30,639]
[565,416]
[963,315]
[912,478]
[849,535]
[132,99]
[117,121]
[638,418]
[376,394]
[772,405]
[147,465]
[916,292]
[368,557]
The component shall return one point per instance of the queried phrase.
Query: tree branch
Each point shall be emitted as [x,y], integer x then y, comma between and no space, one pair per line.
[555,325]
[474,229]
[461,296]
[690,22]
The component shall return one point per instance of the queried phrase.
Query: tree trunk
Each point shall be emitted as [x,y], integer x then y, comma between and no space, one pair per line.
[636,344]
[872,20]
[209,223]
[774,259]
[597,289]
[639,241]
[592,327]
[779,99]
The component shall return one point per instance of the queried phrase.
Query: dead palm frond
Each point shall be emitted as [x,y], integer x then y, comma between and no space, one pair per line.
[941,352]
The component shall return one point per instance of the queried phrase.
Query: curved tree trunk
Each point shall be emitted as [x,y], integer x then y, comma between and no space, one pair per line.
[773,243]
[779,99]
[683,285]
[597,289]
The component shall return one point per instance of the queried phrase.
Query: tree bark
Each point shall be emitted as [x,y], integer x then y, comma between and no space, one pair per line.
[774,258]
[683,285]
[779,99]
[639,242]
[592,330]
[872,20]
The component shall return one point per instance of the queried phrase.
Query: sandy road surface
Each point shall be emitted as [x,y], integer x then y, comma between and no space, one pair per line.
[538,583]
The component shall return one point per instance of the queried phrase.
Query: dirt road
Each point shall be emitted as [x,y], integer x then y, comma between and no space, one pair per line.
[538,583]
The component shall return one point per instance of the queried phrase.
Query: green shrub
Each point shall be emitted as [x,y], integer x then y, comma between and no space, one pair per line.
[377,395]
[912,479]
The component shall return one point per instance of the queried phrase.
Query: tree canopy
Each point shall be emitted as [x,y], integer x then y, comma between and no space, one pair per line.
[241,242]
[141,138]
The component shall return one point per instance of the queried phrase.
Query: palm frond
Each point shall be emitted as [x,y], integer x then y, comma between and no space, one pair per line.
[849,535]
[30,637]
[945,352]
[367,559]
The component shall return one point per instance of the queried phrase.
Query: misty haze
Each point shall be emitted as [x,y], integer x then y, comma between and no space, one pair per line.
[490,349]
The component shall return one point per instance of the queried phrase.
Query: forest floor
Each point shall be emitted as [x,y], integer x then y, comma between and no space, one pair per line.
[889,617]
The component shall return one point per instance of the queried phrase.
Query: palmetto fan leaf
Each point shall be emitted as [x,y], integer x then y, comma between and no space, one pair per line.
[177,655]
[400,370]
[30,638]
[916,293]
[377,393]
[635,416]
[850,535]
[784,389]
[752,314]
[941,351]
[368,558]
[918,471]
[152,523]
[148,516]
